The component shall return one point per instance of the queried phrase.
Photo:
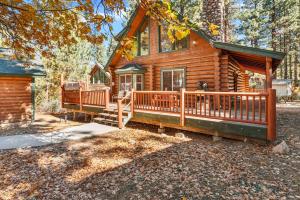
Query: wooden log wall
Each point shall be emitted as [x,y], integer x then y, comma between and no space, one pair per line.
[15,99]
[200,60]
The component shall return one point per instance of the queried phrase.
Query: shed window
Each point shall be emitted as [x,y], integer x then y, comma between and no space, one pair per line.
[165,45]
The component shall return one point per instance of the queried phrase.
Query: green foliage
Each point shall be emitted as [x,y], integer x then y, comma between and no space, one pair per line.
[73,62]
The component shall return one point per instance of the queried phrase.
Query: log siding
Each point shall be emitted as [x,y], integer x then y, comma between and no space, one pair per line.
[15,99]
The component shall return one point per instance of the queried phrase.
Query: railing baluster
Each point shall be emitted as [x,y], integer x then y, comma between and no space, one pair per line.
[224,106]
[235,110]
[229,106]
[247,109]
[253,108]
[259,108]
[214,101]
[241,107]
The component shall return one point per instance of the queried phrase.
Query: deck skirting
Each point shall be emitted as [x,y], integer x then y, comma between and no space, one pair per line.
[227,129]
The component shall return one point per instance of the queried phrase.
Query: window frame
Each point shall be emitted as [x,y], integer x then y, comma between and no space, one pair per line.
[172,69]
[133,80]
[173,44]
[138,37]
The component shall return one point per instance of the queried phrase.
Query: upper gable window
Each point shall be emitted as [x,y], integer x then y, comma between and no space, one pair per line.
[165,45]
[142,40]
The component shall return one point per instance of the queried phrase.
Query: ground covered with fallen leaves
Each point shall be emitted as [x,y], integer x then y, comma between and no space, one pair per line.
[137,163]
[44,123]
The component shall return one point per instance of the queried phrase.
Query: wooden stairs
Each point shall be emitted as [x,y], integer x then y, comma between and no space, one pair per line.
[110,117]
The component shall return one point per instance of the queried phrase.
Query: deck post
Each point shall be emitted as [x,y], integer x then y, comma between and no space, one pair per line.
[132,102]
[107,98]
[182,104]
[120,114]
[80,98]
[271,133]
[268,73]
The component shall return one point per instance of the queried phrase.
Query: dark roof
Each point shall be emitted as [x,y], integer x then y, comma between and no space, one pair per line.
[131,68]
[250,50]
[18,68]
[220,45]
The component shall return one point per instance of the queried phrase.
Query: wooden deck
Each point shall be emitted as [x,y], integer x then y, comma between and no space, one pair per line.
[233,115]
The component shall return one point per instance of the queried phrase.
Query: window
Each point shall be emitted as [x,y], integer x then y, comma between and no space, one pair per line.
[141,44]
[129,81]
[125,82]
[139,82]
[165,45]
[235,81]
[172,79]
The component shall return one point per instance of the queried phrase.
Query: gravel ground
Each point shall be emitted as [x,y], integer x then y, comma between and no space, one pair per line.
[44,123]
[140,164]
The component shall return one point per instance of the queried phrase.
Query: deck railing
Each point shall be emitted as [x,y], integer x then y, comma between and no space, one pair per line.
[159,101]
[254,108]
[92,98]
[233,106]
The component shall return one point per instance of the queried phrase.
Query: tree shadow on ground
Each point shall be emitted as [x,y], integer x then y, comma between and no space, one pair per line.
[139,164]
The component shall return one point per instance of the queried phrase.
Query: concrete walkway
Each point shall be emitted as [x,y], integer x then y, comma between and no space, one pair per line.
[73,133]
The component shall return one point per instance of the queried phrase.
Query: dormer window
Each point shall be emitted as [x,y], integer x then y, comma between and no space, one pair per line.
[165,45]
[142,39]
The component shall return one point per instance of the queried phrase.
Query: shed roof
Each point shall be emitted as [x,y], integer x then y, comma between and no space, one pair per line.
[10,67]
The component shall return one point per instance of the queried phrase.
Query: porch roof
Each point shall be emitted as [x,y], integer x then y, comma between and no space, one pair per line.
[131,68]
[253,59]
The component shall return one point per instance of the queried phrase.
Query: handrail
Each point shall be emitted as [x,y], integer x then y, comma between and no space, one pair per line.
[228,93]
[158,92]
[121,107]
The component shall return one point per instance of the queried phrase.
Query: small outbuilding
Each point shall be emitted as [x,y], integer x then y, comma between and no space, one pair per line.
[283,87]
[17,90]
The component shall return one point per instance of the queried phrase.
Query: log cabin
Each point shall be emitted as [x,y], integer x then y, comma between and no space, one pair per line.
[197,84]
[17,90]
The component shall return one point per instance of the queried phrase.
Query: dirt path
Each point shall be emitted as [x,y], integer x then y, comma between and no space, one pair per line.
[140,164]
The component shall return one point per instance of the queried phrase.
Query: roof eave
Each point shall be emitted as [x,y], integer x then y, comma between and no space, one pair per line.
[250,50]
[121,35]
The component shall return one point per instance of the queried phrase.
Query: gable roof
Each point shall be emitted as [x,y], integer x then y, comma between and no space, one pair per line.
[131,68]
[10,67]
[17,68]
[217,44]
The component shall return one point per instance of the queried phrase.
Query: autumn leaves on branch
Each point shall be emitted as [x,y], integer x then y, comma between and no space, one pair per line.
[31,27]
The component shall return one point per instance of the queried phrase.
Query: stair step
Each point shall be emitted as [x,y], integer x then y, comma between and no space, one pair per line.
[108,115]
[105,121]
[115,112]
